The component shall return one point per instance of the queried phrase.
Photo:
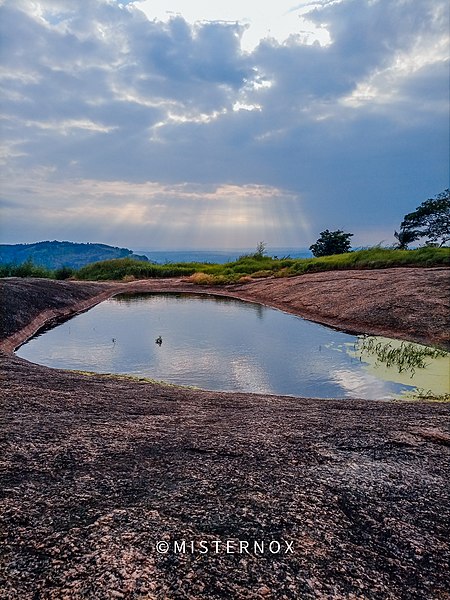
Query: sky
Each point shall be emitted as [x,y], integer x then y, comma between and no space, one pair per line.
[166,124]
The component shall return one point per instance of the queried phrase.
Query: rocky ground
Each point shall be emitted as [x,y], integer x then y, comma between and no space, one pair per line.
[96,470]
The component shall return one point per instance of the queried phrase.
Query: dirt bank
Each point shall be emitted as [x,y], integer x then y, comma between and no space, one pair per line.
[96,470]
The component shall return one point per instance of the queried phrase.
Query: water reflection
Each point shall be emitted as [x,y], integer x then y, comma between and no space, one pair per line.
[214,343]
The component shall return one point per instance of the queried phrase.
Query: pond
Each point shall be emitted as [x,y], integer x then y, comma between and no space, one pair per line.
[224,344]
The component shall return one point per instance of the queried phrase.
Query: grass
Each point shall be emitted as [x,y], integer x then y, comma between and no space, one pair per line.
[376,258]
[243,269]
[119,268]
[406,357]
[429,396]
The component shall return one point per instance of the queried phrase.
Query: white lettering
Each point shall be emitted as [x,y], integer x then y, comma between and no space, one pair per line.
[179,547]
[274,544]
[203,547]
[229,545]
[289,547]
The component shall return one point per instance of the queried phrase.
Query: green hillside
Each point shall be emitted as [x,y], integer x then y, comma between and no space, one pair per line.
[54,255]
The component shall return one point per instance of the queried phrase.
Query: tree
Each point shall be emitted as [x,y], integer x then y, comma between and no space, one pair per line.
[260,250]
[331,242]
[431,220]
[405,237]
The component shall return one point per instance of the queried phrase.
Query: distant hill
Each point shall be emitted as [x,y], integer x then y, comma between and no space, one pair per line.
[58,254]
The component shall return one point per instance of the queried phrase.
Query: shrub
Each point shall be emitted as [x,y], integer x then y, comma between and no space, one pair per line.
[63,273]
[258,274]
[245,279]
[283,272]
[331,242]
[201,278]
[208,279]
[26,269]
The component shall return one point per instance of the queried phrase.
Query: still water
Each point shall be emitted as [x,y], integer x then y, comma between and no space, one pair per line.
[218,344]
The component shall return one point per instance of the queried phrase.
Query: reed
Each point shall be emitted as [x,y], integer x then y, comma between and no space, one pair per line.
[407,357]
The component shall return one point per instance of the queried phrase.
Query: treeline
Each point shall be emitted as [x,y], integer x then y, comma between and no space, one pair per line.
[246,268]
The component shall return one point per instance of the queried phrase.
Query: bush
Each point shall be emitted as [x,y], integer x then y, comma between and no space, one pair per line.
[202,279]
[331,242]
[26,269]
[259,274]
[63,273]
[208,279]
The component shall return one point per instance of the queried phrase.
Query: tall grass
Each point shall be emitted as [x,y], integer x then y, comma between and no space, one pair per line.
[376,258]
[29,269]
[118,268]
[243,269]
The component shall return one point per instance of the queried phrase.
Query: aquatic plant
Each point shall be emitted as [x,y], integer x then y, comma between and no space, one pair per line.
[406,357]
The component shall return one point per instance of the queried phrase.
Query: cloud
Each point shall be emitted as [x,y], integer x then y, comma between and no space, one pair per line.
[151,214]
[345,135]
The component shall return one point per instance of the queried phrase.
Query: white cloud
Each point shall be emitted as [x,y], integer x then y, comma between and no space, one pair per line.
[137,214]
[276,20]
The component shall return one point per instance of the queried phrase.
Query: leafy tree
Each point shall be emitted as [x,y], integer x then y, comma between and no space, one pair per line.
[405,237]
[431,220]
[331,242]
